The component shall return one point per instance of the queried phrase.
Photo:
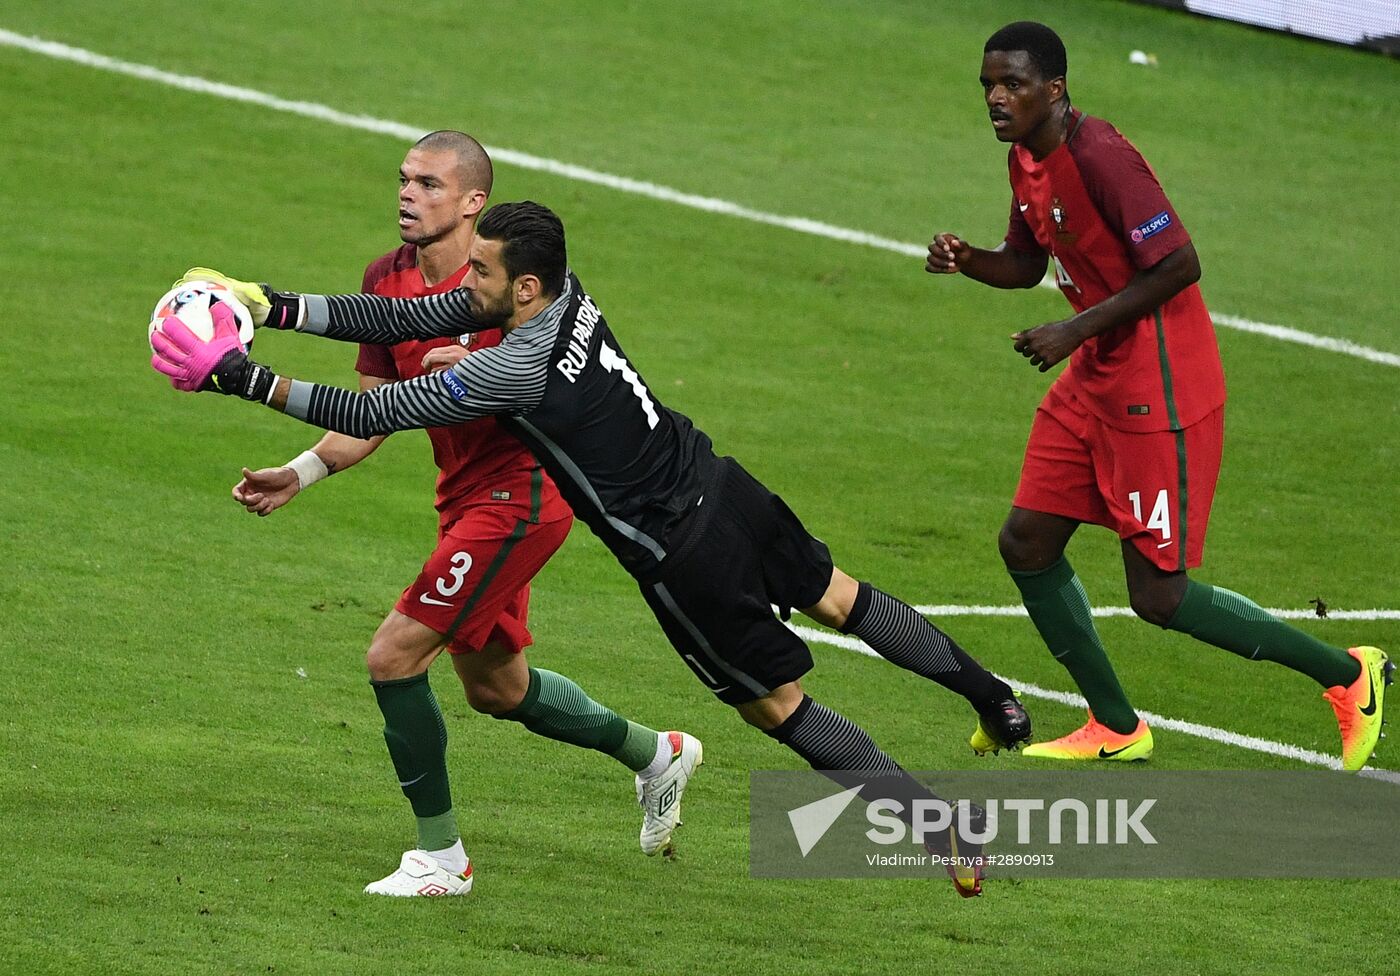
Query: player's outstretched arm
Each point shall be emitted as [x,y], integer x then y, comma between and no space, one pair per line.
[374,318]
[1004,267]
[504,379]
[351,318]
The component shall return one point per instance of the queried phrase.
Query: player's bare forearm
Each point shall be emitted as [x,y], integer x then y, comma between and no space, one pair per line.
[1149,289]
[1005,267]
[1053,342]
[340,451]
[280,391]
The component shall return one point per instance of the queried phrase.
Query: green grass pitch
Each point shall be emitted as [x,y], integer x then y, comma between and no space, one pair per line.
[193,776]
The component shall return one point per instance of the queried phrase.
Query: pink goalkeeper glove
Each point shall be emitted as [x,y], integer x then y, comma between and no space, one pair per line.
[189,360]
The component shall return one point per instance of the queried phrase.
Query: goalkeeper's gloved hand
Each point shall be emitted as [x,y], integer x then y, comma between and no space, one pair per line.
[237,375]
[221,364]
[270,309]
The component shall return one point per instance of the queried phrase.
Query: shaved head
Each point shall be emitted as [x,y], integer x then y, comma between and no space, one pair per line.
[473,165]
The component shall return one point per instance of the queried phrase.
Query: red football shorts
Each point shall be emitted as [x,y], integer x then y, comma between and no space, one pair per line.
[1139,485]
[475,587]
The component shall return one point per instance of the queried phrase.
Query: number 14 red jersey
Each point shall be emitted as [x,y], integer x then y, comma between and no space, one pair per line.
[1095,206]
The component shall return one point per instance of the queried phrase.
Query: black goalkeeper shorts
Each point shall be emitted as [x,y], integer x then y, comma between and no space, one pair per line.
[714,597]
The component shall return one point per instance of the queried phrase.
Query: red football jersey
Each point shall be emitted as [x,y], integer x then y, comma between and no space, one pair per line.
[1095,206]
[478,462]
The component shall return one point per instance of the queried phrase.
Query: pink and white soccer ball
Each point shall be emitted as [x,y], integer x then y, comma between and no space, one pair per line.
[191,303]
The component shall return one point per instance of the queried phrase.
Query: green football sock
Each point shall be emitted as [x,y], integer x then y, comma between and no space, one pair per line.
[1224,618]
[558,709]
[1059,608]
[417,740]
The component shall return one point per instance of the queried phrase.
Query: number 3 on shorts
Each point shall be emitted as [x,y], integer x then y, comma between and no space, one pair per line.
[1160,520]
[461,566]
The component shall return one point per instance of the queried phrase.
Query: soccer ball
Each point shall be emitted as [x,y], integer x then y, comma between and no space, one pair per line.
[190,303]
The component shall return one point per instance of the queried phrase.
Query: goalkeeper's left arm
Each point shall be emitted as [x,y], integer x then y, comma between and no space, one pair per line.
[351,318]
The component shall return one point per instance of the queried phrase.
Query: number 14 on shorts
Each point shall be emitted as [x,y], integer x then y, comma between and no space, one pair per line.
[1160,519]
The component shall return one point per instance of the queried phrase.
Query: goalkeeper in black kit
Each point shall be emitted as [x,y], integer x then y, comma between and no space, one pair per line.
[711,548]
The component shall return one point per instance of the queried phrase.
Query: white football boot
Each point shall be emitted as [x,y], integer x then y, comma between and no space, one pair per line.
[660,795]
[420,875]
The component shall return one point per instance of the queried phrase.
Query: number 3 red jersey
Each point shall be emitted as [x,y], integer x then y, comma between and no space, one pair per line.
[478,462]
[1095,206]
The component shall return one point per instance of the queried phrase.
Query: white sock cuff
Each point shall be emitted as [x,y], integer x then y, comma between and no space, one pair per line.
[453,859]
[661,760]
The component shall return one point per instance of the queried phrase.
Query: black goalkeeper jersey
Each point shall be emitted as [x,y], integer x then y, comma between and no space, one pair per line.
[634,470]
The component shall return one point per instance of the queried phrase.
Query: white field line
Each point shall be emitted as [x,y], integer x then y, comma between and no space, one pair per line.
[1344,346]
[400,130]
[1224,736]
[954,610]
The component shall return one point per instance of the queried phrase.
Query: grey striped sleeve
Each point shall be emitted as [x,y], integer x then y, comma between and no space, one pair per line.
[505,379]
[373,318]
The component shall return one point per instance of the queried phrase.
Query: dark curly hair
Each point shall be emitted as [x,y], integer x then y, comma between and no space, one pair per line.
[1044,46]
[532,238]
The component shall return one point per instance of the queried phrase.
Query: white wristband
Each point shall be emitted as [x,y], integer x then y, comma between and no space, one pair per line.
[309,468]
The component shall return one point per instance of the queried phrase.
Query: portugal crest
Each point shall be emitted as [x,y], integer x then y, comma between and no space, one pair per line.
[1057,214]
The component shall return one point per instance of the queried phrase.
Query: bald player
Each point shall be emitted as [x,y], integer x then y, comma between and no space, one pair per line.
[500,518]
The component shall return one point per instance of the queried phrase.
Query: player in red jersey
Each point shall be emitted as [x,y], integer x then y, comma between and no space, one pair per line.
[500,519]
[1129,436]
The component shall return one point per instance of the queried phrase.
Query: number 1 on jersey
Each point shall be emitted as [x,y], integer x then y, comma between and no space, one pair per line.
[613,363]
